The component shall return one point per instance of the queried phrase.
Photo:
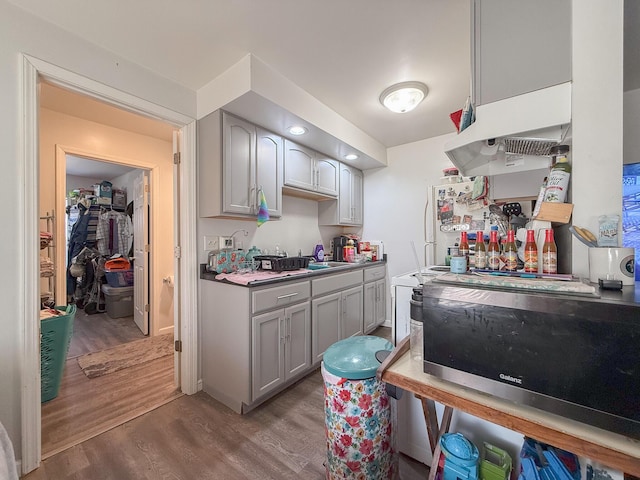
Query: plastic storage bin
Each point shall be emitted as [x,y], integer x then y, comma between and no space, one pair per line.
[119,278]
[460,457]
[119,301]
[359,422]
[55,336]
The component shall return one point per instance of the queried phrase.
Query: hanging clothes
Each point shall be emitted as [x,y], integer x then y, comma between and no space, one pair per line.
[114,234]
[82,235]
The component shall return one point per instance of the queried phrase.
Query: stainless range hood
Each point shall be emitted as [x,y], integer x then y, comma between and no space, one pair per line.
[515,134]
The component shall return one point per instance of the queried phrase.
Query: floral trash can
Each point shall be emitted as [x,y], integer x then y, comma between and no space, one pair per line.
[359,421]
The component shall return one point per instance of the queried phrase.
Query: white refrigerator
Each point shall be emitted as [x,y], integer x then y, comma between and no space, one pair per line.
[451,209]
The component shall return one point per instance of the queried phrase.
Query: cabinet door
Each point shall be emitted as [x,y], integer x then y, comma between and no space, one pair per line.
[238,160]
[534,62]
[326,176]
[381,302]
[325,324]
[352,312]
[268,352]
[369,311]
[297,357]
[299,166]
[356,196]
[344,199]
[269,174]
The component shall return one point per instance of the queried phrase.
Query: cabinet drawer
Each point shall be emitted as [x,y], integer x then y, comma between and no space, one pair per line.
[263,300]
[374,273]
[331,283]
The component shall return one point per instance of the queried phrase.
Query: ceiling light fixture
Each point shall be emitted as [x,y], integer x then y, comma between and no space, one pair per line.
[350,156]
[403,97]
[297,130]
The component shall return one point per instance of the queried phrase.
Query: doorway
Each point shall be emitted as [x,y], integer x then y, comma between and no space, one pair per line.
[35,70]
[85,405]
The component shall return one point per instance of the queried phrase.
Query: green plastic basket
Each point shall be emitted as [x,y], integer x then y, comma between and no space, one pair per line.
[55,337]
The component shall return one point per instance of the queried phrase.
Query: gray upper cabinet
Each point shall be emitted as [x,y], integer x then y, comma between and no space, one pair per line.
[537,56]
[235,160]
[269,170]
[347,209]
[307,170]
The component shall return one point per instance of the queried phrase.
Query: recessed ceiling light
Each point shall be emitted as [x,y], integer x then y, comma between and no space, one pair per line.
[297,130]
[351,156]
[403,97]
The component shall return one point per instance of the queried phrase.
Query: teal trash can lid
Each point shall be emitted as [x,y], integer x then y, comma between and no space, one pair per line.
[354,358]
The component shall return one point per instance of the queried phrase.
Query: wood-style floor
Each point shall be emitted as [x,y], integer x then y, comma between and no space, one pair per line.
[87,407]
[196,437]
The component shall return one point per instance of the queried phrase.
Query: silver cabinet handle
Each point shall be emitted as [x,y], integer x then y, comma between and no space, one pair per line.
[288,295]
[282,331]
[289,328]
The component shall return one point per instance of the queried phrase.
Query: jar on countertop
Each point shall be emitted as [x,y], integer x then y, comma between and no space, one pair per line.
[416,342]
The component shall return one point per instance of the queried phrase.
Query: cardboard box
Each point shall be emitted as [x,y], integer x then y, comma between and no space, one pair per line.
[103,190]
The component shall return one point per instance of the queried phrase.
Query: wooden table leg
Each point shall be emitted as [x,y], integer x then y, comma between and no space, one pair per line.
[431,419]
[444,428]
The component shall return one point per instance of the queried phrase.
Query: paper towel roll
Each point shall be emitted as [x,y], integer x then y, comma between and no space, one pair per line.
[168,280]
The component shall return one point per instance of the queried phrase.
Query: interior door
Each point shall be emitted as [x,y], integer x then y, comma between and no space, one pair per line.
[140,251]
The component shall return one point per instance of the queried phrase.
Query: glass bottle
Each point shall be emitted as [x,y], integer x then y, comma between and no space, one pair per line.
[464,247]
[481,251]
[511,252]
[558,180]
[531,253]
[493,251]
[549,253]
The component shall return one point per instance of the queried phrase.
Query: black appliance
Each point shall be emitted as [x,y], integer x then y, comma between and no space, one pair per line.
[338,243]
[575,356]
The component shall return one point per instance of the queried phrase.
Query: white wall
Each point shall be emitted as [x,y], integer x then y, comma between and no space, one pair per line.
[395,199]
[22,33]
[631,128]
[597,117]
[297,229]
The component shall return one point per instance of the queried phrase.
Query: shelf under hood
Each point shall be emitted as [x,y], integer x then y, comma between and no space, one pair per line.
[514,134]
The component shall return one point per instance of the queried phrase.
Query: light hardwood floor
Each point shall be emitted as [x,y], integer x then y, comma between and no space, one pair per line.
[196,437]
[87,407]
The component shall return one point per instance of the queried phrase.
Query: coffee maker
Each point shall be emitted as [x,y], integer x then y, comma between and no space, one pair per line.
[339,243]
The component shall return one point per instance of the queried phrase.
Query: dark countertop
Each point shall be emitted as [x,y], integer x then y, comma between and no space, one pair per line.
[206,275]
[629,295]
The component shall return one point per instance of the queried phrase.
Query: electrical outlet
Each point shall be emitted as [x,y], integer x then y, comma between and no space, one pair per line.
[210,242]
[225,242]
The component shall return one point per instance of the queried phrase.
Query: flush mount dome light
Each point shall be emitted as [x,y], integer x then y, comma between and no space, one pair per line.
[297,130]
[350,156]
[403,97]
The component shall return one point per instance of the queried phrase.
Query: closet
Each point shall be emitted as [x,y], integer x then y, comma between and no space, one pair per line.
[100,231]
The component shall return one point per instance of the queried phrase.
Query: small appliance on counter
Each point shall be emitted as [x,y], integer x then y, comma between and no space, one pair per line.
[339,243]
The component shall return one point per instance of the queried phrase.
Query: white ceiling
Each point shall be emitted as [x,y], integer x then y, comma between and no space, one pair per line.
[85,167]
[342,52]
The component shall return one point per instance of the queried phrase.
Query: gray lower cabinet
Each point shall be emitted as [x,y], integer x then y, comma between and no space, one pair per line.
[336,310]
[375,297]
[255,341]
[281,347]
[374,304]
[325,323]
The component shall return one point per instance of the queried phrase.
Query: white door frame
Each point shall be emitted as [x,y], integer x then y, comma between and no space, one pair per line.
[186,279]
[149,295]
